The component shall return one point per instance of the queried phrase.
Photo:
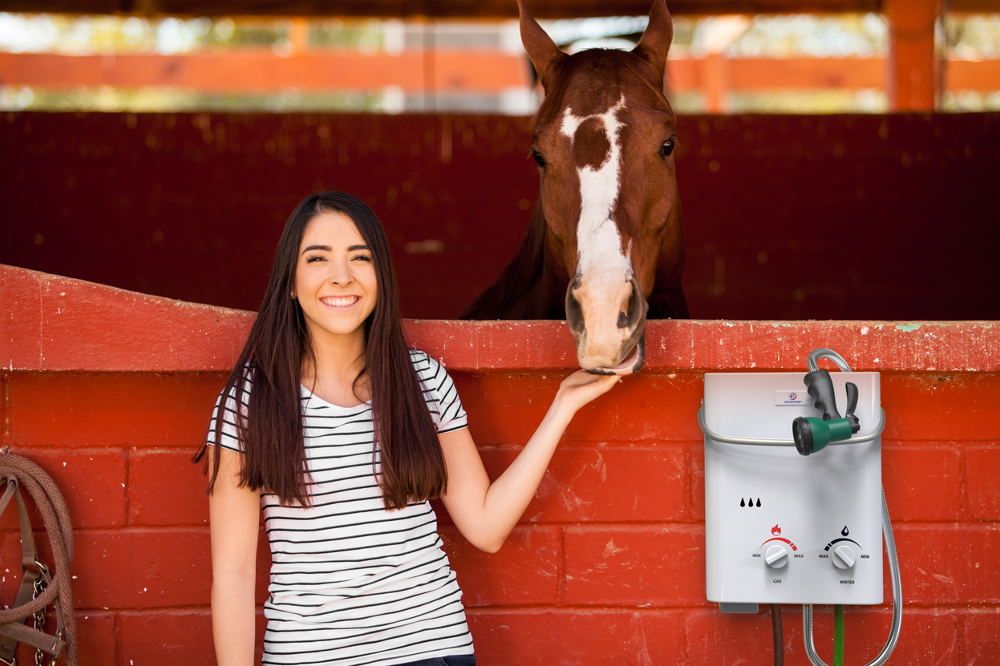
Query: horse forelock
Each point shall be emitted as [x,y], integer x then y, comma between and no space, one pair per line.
[594,78]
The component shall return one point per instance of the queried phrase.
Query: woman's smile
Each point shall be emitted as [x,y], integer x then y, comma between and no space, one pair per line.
[340,302]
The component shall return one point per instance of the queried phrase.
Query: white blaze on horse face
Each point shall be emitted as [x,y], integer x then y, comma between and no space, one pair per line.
[604,270]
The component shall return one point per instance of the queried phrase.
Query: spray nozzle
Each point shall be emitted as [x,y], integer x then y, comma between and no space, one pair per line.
[812,434]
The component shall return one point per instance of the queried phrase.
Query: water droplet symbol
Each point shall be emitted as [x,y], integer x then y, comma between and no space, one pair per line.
[845,531]
[758,501]
[742,502]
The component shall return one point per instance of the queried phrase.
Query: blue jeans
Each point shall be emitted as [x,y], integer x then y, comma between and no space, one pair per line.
[457,660]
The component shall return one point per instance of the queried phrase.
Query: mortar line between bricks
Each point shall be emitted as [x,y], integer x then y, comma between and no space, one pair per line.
[960,642]
[573,608]
[130,529]
[561,587]
[619,445]
[710,606]
[5,379]
[963,488]
[119,640]
[578,607]
[663,523]
[127,454]
[150,610]
[946,522]
[637,523]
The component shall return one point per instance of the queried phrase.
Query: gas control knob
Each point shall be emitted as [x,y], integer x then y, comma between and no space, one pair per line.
[843,557]
[776,557]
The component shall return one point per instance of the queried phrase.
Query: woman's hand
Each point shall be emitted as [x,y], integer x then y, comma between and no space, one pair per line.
[580,388]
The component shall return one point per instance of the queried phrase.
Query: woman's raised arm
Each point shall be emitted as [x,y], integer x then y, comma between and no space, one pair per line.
[234,515]
[485,513]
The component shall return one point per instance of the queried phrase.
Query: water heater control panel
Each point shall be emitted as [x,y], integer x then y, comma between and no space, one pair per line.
[781,527]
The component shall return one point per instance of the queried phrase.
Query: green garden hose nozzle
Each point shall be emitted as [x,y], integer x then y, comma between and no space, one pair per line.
[812,434]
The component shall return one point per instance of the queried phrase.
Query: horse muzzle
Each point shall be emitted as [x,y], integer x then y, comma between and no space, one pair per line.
[608,325]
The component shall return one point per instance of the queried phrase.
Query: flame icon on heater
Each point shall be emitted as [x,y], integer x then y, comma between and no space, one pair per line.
[775,530]
[845,531]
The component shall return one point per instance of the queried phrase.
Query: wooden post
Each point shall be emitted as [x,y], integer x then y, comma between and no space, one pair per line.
[715,82]
[299,36]
[912,80]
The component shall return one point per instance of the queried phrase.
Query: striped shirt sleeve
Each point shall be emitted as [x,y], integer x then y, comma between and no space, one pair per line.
[440,393]
[226,435]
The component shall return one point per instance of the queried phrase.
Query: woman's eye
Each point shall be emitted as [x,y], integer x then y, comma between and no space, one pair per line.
[362,257]
[539,160]
[311,260]
[667,148]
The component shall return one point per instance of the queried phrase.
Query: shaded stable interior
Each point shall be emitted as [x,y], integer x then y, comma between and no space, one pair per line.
[607,564]
[787,217]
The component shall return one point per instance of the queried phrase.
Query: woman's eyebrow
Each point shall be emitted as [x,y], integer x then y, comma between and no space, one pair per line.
[327,248]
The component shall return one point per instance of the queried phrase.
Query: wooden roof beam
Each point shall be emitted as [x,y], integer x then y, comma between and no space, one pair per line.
[913,66]
[543,9]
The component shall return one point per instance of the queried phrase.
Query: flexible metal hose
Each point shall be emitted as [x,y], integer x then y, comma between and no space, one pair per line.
[816,354]
[897,601]
[890,549]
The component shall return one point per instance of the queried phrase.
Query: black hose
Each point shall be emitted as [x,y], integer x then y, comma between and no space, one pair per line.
[779,643]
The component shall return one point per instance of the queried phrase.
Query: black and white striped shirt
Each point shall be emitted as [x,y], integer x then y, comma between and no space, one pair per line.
[352,583]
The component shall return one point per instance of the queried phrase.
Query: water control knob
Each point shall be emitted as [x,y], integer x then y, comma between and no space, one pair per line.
[843,557]
[776,557]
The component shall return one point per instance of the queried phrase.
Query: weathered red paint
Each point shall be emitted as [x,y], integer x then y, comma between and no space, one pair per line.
[605,567]
[61,324]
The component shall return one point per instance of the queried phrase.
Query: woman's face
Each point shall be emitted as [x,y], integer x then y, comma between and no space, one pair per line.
[335,279]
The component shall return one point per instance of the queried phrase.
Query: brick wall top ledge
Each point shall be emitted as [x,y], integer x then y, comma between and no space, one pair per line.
[50,323]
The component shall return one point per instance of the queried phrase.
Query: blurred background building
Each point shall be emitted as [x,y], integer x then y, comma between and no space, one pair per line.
[770,63]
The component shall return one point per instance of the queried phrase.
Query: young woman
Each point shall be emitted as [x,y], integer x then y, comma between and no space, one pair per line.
[341,436]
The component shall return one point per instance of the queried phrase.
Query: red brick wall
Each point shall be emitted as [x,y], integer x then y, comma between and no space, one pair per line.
[110,392]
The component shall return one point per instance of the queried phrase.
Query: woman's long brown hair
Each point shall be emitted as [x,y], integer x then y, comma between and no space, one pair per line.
[272,362]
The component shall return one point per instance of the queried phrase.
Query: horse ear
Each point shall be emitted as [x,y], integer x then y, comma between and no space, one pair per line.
[540,48]
[655,41]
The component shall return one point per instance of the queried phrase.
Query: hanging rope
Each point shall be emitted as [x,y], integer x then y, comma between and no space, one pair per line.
[39,586]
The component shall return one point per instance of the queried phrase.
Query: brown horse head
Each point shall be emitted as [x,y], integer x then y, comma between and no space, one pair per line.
[603,139]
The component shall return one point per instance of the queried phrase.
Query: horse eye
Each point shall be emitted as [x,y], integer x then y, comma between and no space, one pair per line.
[667,148]
[539,160]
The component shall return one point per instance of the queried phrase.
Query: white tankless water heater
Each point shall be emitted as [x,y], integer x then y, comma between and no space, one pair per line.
[783,528]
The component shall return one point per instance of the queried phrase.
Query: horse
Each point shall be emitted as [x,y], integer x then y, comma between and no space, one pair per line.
[605,245]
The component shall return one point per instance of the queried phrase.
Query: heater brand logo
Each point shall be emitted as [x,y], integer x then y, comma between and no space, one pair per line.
[775,530]
[790,397]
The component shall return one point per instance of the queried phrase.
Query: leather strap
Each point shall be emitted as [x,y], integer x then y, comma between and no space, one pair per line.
[34,638]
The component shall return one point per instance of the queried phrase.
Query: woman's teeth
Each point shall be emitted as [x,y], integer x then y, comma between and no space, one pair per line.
[340,301]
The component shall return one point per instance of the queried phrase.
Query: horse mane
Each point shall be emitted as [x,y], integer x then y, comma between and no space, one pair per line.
[510,296]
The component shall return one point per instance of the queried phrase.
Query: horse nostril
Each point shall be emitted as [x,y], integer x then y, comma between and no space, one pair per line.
[574,312]
[635,309]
